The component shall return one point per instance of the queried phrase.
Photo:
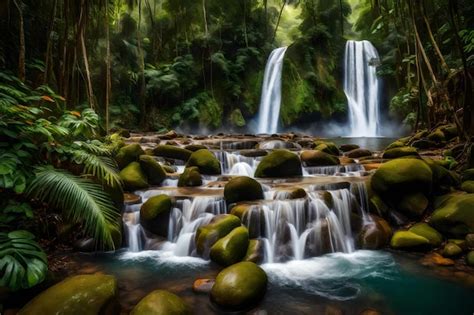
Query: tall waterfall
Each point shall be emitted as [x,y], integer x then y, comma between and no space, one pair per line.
[269,112]
[361,87]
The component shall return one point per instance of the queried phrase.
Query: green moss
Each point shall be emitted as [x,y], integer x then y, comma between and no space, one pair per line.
[423,229]
[254,251]
[128,154]
[318,158]
[206,162]
[242,188]
[396,144]
[208,235]
[190,177]
[279,163]
[210,113]
[152,169]
[237,119]
[468,186]
[400,152]
[172,152]
[231,248]
[413,204]
[470,258]
[454,215]
[161,302]
[133,177]
[451,249]
[154,214]
[436,136]
[407,239]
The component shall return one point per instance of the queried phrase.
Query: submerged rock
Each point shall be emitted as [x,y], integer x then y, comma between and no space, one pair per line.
[152,169]
[161,302]
[454,215]
[208,235]
[154,214]
[318,158]
[207,163]
[279,163]
[172,152]
[133,177]
[231,248]
[128,154]
[407,239]
[83,294]
[190,177]
[239,286]
[242,188]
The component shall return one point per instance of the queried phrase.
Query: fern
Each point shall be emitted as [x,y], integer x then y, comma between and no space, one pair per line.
[103,168]
[81,201]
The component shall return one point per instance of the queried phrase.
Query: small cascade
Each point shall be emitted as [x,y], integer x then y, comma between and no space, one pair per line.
[269,112]
[237,164]
[349,169]
[134,233]
[361,87]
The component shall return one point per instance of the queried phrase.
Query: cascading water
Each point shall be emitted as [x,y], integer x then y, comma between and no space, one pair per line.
[361,87]
[269,112]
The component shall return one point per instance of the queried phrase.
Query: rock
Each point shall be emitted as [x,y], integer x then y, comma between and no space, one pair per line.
[468,175]
[460,242]
[437,136]
[407,239]
[454,215]
[83,294]
[195,147]
[154,214]
[253,153]
[423,229]
[160,302]
[318,158]
[468,186]
[279,163]
[358,153]
[169,135]
[231,248]
[423,144]
[399,152]
[152,169]
[451,250]
[437,259]
[207,163]
[333,310]
[133,177]
[470,259]
[442,178]
[348,147]
[370,311]
[254,252]
[208,235]
[239,286]
[128,154]
[277,144]
[376,234]
[396,144]
[190,177]
[470,241]
[168,168]
[172,152]
[242,188]
[326,146]
[203,285]
[297,193]
[413,205]
[449,131]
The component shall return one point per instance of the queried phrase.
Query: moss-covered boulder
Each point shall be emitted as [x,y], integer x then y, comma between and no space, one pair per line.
[161,302]
[83,294]
[328,147]
[400,152]
[318,158]
[375,234]
[195,147]
[468,174]
[443,179]
[154,214]
[242,188]
[468,186]
[128,154]
[133,177]
[152,169]
[297,193]
[407,239]
[208,235]
[207,162]
[279,163]
[395,144]
[423,229]
[358,153]
[254,252]
[423,144]
[470,259]
[231,248]
[451,250]
[348,147]
[239,286]
[437,136]
[172,152]
[454,215]
[413,205]
[190,177]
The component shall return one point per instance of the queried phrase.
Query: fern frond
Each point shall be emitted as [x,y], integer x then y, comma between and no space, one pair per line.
[94,146]
[103,168]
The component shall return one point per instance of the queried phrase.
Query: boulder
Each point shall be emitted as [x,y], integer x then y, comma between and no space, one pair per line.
[395,144]
[451,250]
[358,153]
[400,152]
[190,177]
[423,144]
[423,229]
[207,162]
[413,205]
[348,147]
[195,147]
[468,175]
[318,158]
[375,234]
[470,259]
[152,169]
[154,214]
[326,146]
[443,179]
[208,235]
[242,188]
[203,285]
[437,136]
[239,286]
[168,168]
[231,248]
[279,163]
[128,154]
[255,251]
[172,152]
[253,153]
[470,241]
[454,215]
[407,239]
[133,177]
[83,294]
[297,193]
[160,302]
[468,186]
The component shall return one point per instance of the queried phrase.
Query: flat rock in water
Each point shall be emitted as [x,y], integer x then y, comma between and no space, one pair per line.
[131,199]
[203,285]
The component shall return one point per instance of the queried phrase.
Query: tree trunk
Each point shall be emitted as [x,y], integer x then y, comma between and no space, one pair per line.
[90,92]
[21,52]
[204,14]
[278,21]
[108,84]
[48,57]
[141,95]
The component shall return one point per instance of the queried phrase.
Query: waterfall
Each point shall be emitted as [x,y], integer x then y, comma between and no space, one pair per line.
[269,112]
[361,87]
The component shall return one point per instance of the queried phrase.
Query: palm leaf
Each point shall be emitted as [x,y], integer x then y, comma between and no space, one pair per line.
[80,200]
[103,168]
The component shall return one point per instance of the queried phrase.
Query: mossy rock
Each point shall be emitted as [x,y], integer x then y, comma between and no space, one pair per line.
[328,147]
[152,169]
[195,147]
[348,147]
[376,234]
[133,177]
[423,144]
[437,136]
[468,186]
[172,152]
[449,131]
[318,158]
[154,214]
[168,168]
[358,153]
[160,302]
[413,205]
[420,134]
[401,176]
[443,179]
[242,188]
[297,193]
[254,252]
[470,259]
[451,250]
[395,144]
[190,177]
[407,239]
[207,162]
[423,229]
[239,286]
[128,154]
[208,235]
[400,152]
[279,163]
[454,215]
[231,248]
[83,294]
[468,175]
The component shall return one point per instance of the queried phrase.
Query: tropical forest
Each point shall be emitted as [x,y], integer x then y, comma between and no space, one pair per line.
[260,157]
